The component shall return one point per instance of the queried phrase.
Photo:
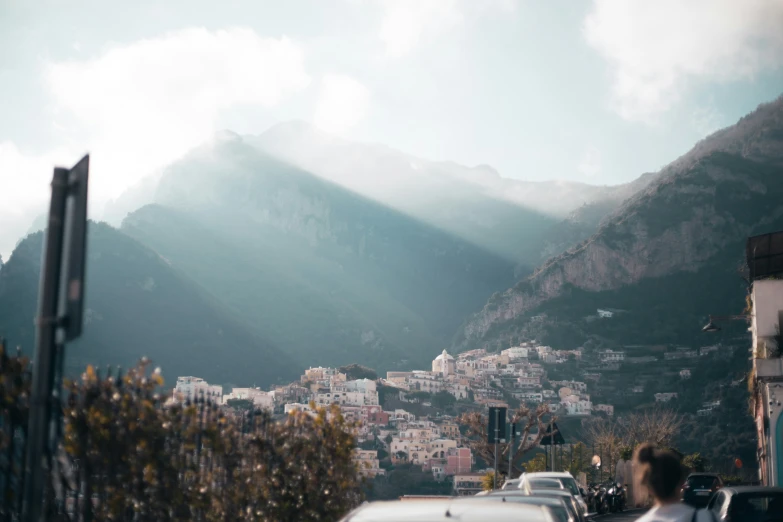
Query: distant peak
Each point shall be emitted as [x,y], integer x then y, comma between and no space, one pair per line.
[226,135]
[488,169]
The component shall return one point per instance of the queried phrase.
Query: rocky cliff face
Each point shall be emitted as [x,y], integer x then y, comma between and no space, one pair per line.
[721,191]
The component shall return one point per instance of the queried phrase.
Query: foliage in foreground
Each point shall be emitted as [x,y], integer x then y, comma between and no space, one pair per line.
[140,457]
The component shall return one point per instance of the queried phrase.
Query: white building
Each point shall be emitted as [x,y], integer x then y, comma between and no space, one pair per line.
[516,352]
[665,397]
[260,398]
[444,364]
[189,388]
[605,314]
[611,356]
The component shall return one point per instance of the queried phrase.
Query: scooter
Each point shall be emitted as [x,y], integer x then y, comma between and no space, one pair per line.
[615,496]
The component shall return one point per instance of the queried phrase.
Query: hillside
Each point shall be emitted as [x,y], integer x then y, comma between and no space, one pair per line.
[514,218]
[327,275]
[137,305]
[695,214]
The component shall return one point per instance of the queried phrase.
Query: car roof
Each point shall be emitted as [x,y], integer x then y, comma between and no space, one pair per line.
[552,491]
[703,474]
[549,474]
[527,499]
[464,510]
[739,490]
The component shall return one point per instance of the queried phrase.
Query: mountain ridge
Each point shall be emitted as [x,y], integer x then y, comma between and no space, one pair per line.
[716,193]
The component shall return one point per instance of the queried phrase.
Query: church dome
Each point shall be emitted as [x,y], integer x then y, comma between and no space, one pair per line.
[444,356]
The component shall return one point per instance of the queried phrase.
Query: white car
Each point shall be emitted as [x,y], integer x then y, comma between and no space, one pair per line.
[566,479]
[511,484]
[463,509]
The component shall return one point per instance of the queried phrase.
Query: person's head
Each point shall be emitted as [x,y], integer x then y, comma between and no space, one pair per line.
[660,470]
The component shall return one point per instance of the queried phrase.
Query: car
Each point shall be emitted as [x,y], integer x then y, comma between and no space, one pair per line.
[747,504]
[464,510]
[510,484]
[566,479]
[560,493]
[699,487]
[562,507]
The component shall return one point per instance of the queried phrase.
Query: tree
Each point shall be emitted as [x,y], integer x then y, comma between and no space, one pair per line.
[141,457]
[695,462]
[357,371]
[536,464]
[240,404]
[443,400]
[488,481]
[657,425]
[526,419]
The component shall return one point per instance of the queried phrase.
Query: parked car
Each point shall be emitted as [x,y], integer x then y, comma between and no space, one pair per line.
[566,480]
[464,510]
[564,494]
[747,504]
[564,509]
[699,487]
[511,484]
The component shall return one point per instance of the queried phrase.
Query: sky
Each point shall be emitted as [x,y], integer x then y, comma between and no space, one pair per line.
[598,91]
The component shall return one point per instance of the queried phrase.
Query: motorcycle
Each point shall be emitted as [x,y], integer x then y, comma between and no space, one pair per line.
[615,496]
[600,504]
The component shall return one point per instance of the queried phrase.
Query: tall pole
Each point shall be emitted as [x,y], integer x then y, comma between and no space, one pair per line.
[38,458]
[511,447]
[497,433]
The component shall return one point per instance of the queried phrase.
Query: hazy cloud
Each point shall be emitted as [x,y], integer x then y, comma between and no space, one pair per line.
[590,164]
[143,105]
[405,22]
[656,49]
[342,103]
[25,178]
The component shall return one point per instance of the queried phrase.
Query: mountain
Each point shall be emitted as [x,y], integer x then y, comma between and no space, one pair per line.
[513,218]
[516,219]
[329,276]
[668,253]
[137,305]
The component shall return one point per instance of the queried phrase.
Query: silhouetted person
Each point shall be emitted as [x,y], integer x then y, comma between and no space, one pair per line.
[663,473]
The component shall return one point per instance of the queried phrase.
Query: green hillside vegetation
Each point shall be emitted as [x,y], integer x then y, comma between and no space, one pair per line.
[327,275]
[137,305]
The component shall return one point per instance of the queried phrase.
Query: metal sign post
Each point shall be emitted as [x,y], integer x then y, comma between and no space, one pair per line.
[60,305]
[496,425]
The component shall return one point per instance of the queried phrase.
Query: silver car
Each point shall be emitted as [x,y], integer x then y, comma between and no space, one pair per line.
[464,510]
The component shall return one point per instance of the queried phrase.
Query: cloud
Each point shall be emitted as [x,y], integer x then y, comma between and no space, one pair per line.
[706,119]
[25,181]
[342,103]
[142,105]
[656,50]
[590,164]
[406,22]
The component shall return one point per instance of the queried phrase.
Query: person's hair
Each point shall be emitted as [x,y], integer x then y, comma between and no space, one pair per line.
[660,470]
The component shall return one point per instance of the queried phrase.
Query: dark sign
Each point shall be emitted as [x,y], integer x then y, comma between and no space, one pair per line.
[764,255]
[552,436]
[71,293]
[496,430]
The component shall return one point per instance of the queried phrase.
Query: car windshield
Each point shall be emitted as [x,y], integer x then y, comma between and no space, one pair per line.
[702,482]
[751,506]
[545,483]
[569,484]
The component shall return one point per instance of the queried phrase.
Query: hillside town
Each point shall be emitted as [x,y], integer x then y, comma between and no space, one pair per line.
[431,439]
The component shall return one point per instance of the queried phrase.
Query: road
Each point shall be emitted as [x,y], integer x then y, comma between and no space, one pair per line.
[628,516]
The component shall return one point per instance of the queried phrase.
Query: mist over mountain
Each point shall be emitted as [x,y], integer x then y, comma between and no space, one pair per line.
[668,255]
[329,275]
[138,305]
